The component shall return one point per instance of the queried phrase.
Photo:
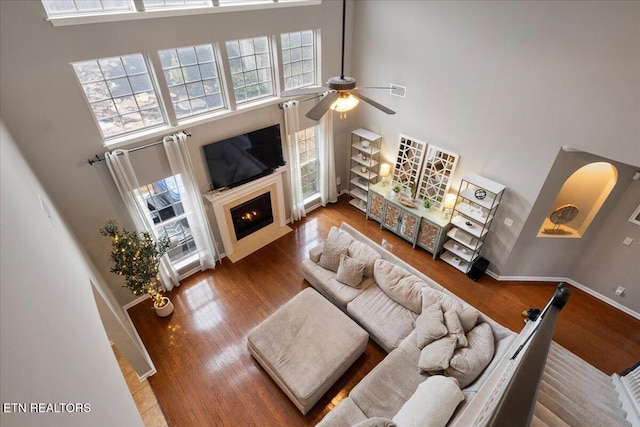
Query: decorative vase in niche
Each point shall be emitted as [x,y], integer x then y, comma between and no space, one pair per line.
[166,309]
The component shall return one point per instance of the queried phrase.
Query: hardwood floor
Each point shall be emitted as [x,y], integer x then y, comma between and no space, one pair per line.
[207,377]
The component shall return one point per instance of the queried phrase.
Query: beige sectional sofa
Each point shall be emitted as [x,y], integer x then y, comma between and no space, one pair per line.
[393,301]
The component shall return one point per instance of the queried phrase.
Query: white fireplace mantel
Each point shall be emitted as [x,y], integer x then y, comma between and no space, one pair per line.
[224,201]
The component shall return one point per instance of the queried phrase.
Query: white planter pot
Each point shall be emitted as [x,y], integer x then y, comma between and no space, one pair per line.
[166,309]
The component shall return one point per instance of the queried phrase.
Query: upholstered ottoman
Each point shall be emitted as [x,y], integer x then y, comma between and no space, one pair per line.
[306,345]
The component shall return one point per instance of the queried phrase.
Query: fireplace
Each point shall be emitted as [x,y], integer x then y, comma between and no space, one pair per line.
[252,215]
[243,231]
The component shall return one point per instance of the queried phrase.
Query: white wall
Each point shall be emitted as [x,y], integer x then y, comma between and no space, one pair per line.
[43,105]
[504,84]
[53,347]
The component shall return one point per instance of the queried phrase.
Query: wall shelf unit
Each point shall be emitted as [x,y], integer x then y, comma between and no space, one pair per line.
[364,166]
[476,204]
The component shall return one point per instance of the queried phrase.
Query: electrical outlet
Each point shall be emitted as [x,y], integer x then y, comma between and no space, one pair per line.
[508,222]
[620,290]
[627,241]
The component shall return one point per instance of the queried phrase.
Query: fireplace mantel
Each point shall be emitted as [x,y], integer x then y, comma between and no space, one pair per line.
[224,201]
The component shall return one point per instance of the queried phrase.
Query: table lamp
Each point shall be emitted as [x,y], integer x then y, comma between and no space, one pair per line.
[449,204]
[385,171]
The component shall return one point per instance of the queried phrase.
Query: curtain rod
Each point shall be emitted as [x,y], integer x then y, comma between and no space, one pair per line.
[97,158]
[281,105]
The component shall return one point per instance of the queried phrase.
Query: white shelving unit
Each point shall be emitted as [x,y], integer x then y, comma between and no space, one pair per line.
[364,166]
[476,204]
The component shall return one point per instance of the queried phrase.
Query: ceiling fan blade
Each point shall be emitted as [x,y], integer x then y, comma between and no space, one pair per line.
[323,106]
[372,102]
[303,91]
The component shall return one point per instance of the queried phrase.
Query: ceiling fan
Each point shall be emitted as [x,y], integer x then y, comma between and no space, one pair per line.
[341,94]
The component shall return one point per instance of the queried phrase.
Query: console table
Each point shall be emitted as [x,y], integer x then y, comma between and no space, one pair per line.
[426,228]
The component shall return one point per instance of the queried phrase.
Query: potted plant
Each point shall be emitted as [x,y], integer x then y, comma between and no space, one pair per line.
[136,257]
[427,203]
[396,188]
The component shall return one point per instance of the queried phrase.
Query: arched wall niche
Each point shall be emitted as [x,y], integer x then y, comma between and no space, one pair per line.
[586,189]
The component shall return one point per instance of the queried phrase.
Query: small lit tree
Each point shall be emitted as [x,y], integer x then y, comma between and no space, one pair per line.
[136,257]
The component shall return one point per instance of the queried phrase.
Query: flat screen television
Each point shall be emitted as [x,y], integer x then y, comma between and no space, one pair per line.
[243,158]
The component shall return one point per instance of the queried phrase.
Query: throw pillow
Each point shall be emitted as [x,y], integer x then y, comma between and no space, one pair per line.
[431,405]
[331,253]
[375,422]
[340,237]
[365,253]
[350,271]
[452,322]
[468,362]
[430,325]
[436,356]
[399,285]
[467,314]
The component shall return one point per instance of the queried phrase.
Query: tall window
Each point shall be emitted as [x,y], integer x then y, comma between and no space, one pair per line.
[163,200]
[251,71]
[298,59]
[66,7]
[192,77]
[308,161]
[120,93]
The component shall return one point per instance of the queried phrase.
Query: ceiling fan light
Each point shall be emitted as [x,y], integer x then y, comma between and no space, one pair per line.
[345,103]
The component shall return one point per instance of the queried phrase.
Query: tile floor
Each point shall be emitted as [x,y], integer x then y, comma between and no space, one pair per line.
[142,393]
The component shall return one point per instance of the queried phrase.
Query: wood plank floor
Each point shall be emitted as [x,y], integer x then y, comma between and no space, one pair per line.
[207,377]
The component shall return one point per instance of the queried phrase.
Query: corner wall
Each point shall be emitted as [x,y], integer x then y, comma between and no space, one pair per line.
[53,347]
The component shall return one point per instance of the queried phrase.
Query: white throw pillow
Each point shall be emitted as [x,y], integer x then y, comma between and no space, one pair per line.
[436,356]
[350,271]
[431,405]
[468,363]
[452,322]
[365,253]
[430,325]
[467,314]
[331,253]
[375,422]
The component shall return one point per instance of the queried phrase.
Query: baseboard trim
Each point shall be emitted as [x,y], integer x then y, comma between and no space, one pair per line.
[572,282]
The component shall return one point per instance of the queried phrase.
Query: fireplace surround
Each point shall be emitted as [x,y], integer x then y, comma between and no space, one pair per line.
[243,201]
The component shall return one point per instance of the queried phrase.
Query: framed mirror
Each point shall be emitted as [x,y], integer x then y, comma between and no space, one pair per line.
[439,166]
[409,160]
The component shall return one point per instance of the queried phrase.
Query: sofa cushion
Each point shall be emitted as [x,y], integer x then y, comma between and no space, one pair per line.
[331,253]
[375,422]
[430,325]
[400,285]
[468,363]
[387,321]
[383,391]
[454,327]
[467,314]
[345,413]
[350,271]
[435,357]
[432,404]
[365,253]
[315,253]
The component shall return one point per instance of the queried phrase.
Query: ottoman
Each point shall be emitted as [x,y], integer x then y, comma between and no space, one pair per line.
[306,345]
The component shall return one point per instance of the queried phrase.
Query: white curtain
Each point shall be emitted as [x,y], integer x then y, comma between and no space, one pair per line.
[180,163]
[292,124]
[326,159]
[125,178]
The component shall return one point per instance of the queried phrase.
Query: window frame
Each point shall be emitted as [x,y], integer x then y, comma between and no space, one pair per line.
[316,60]
[316,160]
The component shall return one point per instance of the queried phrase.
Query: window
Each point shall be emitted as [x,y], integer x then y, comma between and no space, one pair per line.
[78,7]
[251,72]
[192,76]
[298,59]
[308,161]
[162,199]
[120,93]
[161,4]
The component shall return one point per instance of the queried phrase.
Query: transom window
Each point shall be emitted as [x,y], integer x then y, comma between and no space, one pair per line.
[162,199]
[120,93]
[298,59]
[307,149]
[192,76]
[251,71]
[161,4]
[66,7]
